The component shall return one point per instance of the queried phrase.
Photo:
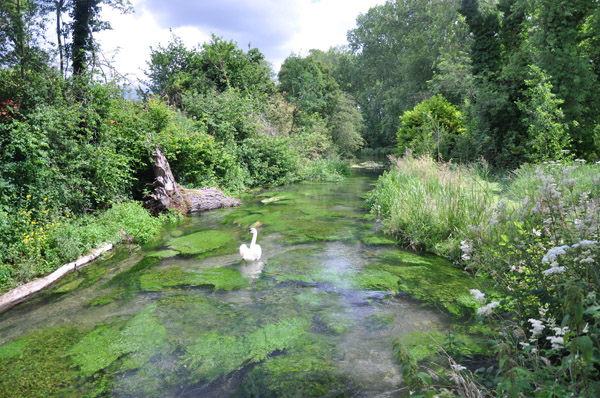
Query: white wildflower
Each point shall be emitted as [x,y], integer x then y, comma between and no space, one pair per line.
[585,329]
[537,232]
[466,246]
[555,252]
[561,331]
[537,327]
[558,342]
[569,183]
[584,243]
[487,309]
[477,295]
[554,269]
[457,368]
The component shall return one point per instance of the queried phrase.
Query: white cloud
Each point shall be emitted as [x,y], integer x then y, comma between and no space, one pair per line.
[276,28]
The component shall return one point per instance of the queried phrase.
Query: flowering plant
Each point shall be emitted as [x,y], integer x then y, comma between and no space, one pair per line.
[541,255]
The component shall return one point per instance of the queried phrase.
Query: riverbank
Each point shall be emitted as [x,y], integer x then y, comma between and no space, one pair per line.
[532,243]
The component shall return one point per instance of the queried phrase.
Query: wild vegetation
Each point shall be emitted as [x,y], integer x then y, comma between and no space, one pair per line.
[74,144]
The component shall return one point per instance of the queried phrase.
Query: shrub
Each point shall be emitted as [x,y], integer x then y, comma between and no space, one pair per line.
[542,258]
[324,170]
[431,128]
[536,253]
[269,160]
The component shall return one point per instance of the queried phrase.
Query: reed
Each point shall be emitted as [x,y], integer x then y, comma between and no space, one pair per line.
[430,206]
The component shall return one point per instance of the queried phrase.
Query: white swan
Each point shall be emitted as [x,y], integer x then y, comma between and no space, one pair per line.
[253,252]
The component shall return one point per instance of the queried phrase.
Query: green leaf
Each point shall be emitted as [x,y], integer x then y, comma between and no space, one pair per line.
[425,377]
[513,391]
[586,346]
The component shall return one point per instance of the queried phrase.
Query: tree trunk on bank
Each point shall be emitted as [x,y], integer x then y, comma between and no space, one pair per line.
[170,195]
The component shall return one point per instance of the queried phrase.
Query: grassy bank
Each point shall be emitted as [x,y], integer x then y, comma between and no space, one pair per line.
[532,241]
[36,242]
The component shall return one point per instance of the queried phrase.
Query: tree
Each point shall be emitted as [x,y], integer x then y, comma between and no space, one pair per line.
[432,128]
[22,24]
[86,22]
[548,136]
[345,124]
[307,83]
[561,27]
[397,45]
[216,66]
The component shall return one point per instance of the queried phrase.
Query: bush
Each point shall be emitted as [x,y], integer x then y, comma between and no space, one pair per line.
[431,128]
[535,251]
[269,160]
[324,170]
[542,257]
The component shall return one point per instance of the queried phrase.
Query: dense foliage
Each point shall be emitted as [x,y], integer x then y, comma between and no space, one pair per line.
[432,127]
[533,245]
[500,62]
[74,145]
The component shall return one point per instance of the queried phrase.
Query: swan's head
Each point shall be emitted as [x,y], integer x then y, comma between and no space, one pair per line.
[252,231]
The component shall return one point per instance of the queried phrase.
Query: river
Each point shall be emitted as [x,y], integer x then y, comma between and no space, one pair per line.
[317,316]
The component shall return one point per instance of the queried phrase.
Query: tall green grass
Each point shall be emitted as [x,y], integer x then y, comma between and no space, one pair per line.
[533,245]
[430,206]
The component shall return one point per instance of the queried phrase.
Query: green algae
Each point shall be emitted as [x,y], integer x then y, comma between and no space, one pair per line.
[162,253]
[407,258]
[69,286]
[12,349]
[217,278]
[333,322]
[431,279]
[302,265]
[200,242]
[125,284]
[305,370]
[133,344]
[294,265]
[377,239]
[176,233]
[215,354]
[34,365]
[427,345]
[84,277]
[303,230]
[298,217]
[375,278]
[379,321]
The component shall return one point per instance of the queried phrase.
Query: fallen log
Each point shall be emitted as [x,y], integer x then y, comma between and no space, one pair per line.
[23,292]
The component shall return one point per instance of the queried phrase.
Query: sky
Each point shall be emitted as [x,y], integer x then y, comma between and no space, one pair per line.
[277,28]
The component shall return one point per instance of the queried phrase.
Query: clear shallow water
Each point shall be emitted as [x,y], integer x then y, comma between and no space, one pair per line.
[187,318]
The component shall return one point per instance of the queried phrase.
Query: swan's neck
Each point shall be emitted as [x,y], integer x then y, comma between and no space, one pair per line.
[253,239]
